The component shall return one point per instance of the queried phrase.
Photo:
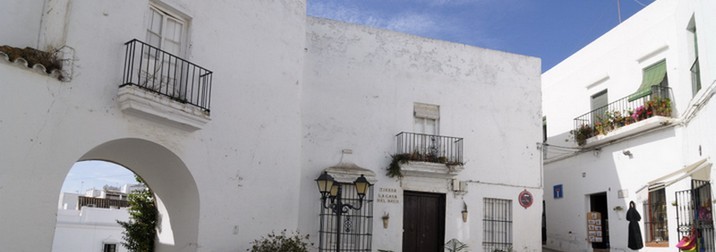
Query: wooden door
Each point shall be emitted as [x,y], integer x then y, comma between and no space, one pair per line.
[423,222]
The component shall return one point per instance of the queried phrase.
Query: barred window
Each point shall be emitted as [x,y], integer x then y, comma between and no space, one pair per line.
[655,221]
[109,247]
[356,225]
[497,225]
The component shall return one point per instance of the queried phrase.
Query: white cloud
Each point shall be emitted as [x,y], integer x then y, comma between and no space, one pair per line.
[341,12]
[406,22]
[412,23]
[425,18]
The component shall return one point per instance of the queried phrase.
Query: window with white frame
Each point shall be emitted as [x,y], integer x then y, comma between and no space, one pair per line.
[655,221]
[497,225]
[426,121]
[426,118]
[163,67]
[166,30]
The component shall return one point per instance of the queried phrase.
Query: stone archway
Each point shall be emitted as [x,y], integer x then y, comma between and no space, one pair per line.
[171,181]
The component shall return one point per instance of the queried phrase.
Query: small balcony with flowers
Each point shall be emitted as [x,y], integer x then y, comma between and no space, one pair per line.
[426,155]
[648,108]
[160,85]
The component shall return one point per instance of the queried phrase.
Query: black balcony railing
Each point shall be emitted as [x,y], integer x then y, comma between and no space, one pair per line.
[152,69]
[623,112]
[430,148]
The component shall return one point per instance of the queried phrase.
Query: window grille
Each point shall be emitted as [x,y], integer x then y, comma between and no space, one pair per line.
[109,247]
[356,225]
[655,221]
[693,211]
[497,225]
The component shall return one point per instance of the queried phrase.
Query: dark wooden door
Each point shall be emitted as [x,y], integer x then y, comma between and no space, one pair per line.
[423,222]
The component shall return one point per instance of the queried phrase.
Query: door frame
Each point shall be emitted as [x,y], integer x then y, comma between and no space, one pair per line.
[440,214]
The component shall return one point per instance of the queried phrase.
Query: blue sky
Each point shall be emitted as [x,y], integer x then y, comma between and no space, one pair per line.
[548,29]
[88,174]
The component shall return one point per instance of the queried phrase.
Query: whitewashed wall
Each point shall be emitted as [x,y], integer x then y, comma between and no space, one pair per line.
[271,128]
[88,229]
[218,183]
[359,90]
[615,62]
[25,17]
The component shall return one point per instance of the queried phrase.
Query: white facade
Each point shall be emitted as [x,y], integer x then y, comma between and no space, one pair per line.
[629,162]
[288,94]
[362,85]
[89,229]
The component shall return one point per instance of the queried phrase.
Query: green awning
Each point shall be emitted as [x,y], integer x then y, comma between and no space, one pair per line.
[653,76]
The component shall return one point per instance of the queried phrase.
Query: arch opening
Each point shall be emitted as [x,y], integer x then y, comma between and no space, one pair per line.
[175,192]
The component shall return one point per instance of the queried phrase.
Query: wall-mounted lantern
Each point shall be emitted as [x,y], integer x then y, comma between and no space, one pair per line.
[464,212]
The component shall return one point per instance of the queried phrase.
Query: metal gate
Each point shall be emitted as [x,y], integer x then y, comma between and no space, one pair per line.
[693,210]
[356,226]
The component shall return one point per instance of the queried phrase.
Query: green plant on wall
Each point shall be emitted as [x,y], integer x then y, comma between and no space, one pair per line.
[398,159]
[394,167]
[582,133]
[281,242]
[660,105]
[140,231]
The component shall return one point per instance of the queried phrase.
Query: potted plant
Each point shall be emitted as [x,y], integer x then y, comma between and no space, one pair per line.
[582,133]
[661,106]
[281,242]
[394,167]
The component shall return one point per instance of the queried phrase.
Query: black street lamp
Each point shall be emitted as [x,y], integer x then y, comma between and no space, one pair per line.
[332,190]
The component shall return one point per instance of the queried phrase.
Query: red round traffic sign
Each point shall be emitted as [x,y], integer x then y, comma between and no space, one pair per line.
[525,199]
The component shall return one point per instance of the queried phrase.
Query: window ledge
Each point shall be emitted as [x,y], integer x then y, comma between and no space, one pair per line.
[628,130]
[427,169]
[139,102]
[661,244]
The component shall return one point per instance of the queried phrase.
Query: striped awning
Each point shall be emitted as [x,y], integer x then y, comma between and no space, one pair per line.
[653,76]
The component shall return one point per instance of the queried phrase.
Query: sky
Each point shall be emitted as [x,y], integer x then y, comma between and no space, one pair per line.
[86,175]
[549,29]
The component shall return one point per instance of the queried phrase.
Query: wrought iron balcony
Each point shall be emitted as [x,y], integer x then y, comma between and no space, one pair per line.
[163,73]
[430,148]
[623,112]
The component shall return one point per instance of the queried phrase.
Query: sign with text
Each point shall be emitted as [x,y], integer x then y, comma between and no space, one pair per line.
[387,195]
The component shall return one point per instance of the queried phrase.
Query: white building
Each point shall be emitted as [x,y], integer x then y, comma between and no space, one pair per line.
[87,228]
[265,100]
[660,158]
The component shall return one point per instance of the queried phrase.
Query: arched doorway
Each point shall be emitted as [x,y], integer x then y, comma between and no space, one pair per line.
[176,193]
[94,197]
